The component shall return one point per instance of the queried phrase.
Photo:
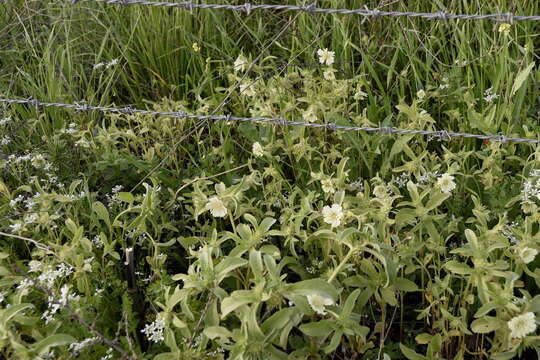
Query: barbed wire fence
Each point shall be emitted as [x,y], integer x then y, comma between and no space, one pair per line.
[311,8]
[248,8]
[387,130]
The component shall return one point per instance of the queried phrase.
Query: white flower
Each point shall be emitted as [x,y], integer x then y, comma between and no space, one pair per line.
[247,89]
[333,215]
[257,149]
[327,186]
[310,115]
[15,227]
[195,47]
[446,183]
[154,331]
[318,303]
[328,74]
[240,63]
[421,94]
[325,56]
[522,325]
[527,254]
[216,207]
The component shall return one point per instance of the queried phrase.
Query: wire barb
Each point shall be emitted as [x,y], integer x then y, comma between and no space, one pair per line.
[442,134]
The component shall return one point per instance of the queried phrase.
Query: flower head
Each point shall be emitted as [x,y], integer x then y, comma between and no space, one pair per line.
[527,254]
[328,74]
[420,94]
[216,207]
[328,186]
[522,325]
[154,331]
[240,63]
[505,28]
[446,183]
[325,56]
[195,47]
[318,303]
[257,149]
[333,215]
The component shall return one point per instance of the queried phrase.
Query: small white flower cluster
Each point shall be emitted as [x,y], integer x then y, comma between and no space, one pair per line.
[98,243]
[6,140]
[427,177]
[444,84]
[359,183]
[77,347]
[507,233]
[48,355]
[48,277]
[56,304]
[72,129]
[154,331]
[107,65]
[38,161]
[240,64]
[108,355]
[112,197]
[4,121]
[402,180]
[489,96]
[216,352]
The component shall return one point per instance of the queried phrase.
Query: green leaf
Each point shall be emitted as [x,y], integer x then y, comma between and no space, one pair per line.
[458,268]
[213,332]
[13,310]
[423,338]
[403,284]
[319,328]
[227,265]
[52,341]
[411,354]
[237,299]
[101,212]
[126,197]
[521,77]
[316,286]
[485,325]
[334,342]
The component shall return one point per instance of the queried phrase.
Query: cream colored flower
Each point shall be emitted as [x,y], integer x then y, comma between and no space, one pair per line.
[325,56]
[247,89]
[310,115]
[257,149]
[333,215]
[527,254]
[328,186]
[216,207]
[421,94]
[505,28]
[380,191]
[196,47]
[318,303]
[241,63]
[522,325]
[446,183]
[328,74]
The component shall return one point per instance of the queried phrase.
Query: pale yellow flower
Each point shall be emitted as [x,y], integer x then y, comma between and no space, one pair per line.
[318,303]
[216,207]
[326,56]
[196,47]
[328,186]
[505,28]
[241,63]
[522,325]
[310,115]
[527,254]
[257,149]
[446,183]
[333,215]
[420,94]
[328,74]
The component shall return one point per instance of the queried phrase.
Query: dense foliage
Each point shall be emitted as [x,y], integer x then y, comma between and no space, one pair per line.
[164,238]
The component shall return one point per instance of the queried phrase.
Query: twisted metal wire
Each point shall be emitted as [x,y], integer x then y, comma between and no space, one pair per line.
[365,12]
[441,134]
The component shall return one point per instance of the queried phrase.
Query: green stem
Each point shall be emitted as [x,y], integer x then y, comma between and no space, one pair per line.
[341,264]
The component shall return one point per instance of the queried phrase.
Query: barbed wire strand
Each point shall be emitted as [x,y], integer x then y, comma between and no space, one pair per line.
[441,134]
[365,12]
